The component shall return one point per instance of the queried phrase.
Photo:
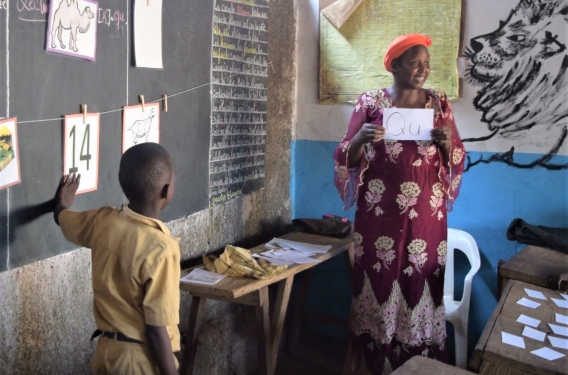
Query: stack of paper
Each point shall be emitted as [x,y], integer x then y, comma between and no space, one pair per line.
[302,247]
[200,276]
[281,251]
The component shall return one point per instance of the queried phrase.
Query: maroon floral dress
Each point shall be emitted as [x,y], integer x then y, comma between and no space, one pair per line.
[403,191]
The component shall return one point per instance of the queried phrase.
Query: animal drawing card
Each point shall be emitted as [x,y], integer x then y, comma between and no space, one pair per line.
[81,149]
[148,33]
[72,28]
[9,157]
[140,125]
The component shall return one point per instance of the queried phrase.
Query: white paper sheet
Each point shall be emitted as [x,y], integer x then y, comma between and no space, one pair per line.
[509,339]
[148,33]
[560,302]
[290,256]
[535,294]
[528,303]
[302,247]
[534,334]
[527,320]
[408,124]
[548,353]
[562,319]
[276,262]
[200,276]
[558,342]
[559,330]
[565,296]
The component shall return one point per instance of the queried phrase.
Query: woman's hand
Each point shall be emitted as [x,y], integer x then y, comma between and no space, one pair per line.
[442,136]
[371,133]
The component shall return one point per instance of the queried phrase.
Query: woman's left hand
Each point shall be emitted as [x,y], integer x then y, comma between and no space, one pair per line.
[442,136]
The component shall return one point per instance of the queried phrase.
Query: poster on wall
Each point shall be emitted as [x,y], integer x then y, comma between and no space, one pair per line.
[515,99]
[81,149]
[9,153]
[140,124]
[148,33]
[72,28]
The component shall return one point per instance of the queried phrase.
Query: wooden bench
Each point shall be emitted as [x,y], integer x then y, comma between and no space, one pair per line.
[250,291]
[532,265]
[419,365]
[492,356]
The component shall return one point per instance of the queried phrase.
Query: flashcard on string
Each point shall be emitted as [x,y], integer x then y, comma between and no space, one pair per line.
[148,33]
[527,320]
[535,294]
[81,149]
[548,354]
[509,339]
[9,153]
[140,124]
[528,303]
[534,334]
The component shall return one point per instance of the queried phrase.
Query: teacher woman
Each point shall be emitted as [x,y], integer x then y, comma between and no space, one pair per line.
[403,191]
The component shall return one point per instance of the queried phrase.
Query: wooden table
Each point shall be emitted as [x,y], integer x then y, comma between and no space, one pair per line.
[533,265]
[250,291]
[491,356]
[419,365]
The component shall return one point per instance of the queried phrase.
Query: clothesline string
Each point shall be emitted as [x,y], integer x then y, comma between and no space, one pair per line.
[153,101]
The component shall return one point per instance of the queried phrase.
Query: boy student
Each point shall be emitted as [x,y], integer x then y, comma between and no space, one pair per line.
[135,266]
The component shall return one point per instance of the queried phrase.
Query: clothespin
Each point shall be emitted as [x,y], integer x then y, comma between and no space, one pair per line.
[142,102]
[165,101]
[84,110]
[148,3]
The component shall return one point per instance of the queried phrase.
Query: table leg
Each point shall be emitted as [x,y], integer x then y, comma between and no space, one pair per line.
[264,343]
[299,310]
[193,328]
[279,315]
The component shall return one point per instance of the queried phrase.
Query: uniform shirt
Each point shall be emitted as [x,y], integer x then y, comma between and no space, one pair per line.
[136,269]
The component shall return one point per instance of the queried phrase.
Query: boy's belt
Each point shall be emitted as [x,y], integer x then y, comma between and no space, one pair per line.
[112,335]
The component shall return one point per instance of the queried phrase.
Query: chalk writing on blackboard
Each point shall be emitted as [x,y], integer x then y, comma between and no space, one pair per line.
[239,66]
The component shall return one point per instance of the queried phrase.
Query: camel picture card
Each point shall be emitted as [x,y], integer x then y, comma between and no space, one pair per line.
[140,124]
[9,153]
[81,149]
[148,33]
[72,28]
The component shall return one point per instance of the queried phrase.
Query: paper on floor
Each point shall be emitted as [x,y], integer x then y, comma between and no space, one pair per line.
[527,320]
[509,339]
[565,296]
[559,330]
[200,276]
[548,353]
[535,294]
[562,319]
[558,342]
[560,302]
[528,303]
[534,334]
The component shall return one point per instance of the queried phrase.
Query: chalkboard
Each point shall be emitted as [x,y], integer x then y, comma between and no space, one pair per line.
[40,87]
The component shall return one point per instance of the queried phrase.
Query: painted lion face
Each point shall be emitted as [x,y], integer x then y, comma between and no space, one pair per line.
[521,67]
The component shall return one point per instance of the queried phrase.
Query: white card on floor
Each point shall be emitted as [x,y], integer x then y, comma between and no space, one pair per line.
[528,303]
[565,296]
[557,342]
[534,334]
[535,294]
[559,330]
[527,320]
[560,302]
[517,341]
[562,319]
[548,353]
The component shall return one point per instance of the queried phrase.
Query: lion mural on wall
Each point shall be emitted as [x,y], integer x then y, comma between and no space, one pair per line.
[521,68]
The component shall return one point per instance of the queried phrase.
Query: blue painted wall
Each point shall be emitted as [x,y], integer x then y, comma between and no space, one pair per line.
[491,197]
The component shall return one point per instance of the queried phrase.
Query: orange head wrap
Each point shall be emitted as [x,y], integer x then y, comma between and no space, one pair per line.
[402,44]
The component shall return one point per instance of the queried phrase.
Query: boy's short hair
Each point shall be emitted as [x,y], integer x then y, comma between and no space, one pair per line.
[144,169]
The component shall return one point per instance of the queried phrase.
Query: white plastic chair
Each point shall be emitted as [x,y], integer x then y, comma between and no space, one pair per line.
[457,312]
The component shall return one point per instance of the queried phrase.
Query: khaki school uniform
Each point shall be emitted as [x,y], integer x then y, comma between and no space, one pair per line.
[136,272]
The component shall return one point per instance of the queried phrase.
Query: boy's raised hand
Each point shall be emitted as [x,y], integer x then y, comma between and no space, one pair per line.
[65,195]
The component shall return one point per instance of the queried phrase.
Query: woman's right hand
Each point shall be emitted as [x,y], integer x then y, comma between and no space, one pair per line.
[371,133]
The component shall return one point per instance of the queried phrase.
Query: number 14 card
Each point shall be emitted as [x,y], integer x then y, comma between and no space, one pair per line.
[81,149]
